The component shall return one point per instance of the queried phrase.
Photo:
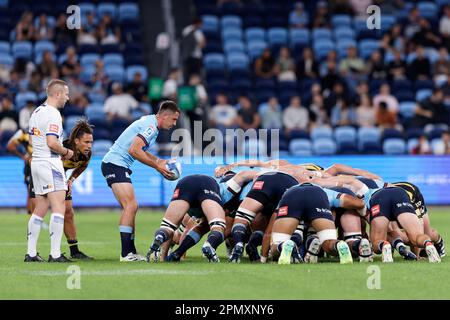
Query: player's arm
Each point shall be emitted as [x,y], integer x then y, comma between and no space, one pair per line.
[56,147]
[137,152]
[240,179]
[336,169]
[13,147]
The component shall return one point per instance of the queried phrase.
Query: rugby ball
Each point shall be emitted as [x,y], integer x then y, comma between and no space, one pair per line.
[175,167]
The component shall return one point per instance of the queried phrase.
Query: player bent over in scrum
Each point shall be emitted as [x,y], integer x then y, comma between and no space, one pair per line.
[311,204]
[199,192]
[393,204]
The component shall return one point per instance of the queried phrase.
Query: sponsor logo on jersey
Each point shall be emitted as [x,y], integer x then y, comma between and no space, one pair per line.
[48,186]
[127,175]
[375,210]
[176,193]
[283,211]
[109,176]
[323,210]
[258,185]
[53,128]
[35,132]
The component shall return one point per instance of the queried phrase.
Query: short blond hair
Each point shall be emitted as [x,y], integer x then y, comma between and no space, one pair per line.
[53,85]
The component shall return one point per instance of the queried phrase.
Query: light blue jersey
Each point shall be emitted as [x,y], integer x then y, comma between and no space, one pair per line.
[146,128]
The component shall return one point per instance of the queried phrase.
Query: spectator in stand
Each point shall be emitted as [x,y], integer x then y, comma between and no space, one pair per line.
[47,65]
[339,96]
[192,42]
[285,67]
[420,67]
[43,31]
[352,68]
[444,26]
[14,82]
[376,67]
[248,117]
[322,17]
[25,28]
[35,83]
[9,119]
[342,114]
[332,76]
[200,92]
[71,66]
[385,96]
[423,146]
[365,113]
[431,111]
[223,115]
[170,86]
[265,65]
[397,67]
[307,67]
[25,114]
[393,39]
[298,18]
[107,31]
[99,80]
[80,103]
[331,58]
[120,105]
[63,35]
[295,116]
[442,65]
[318,114]
[271,116]
[87,33]
[385,118]
[137,88]
[425,35]
[412,25]
[360,7]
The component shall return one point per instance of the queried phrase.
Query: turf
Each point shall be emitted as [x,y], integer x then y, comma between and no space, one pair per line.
[194,278]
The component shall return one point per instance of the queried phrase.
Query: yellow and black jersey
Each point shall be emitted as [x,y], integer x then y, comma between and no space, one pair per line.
[312,167]
[23,139]
[415,196]
[78,160]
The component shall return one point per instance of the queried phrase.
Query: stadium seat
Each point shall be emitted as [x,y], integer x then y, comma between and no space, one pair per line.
[341,33]
[367,46]
[237,61]
[341,20]
[299,37]
[322,47]
[391,133]
[234,46]
[324,146]
[300,147]
[411,144]
[345,134]
[87,8]
[107,9]
[70,122]
[404,95]
[321,34]
[387,21]
[6,60]
[22,49]
[232,34]
[115,73]
[402,85]
[423,94]
[424,84]
[252,34]
[128,10]
[414,133]
[407,108]
[255,48]
[428,9]
[41,46]
[231,21]
[321,133]
[86,74]
[437,146]
[113,59]
[368,135]
[89,59]
[210,24]
[214,61]
[5,47]
[101,147]
[131,70]
[342,46]
[394,146]
[23,97]
[277,36]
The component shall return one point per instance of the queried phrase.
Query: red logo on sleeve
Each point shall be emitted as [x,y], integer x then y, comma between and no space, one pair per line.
[53,128]
[176,193]
[258,185]
[283,211]
[375,210]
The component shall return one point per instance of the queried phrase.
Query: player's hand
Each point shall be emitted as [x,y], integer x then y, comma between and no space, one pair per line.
[220,171]
[68,155]
[161,168]
[27,158]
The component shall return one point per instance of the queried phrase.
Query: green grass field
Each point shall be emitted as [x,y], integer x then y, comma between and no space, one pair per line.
[194,278]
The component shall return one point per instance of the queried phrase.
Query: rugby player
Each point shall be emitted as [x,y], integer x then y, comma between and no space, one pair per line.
[21,139]
[47,171]
[310,203]
[132,145]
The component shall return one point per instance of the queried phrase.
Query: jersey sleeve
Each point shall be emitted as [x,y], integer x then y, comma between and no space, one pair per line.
[334,198]
[148,135]
[53,125]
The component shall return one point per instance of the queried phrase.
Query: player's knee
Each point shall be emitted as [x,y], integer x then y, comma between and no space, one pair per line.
[132,206]
[218,224]
[168,226]
[327,234]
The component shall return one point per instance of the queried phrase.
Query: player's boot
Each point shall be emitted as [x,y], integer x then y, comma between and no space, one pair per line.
[209,252]
[286,252]
[345,255]
[252,253]
[131,257]
[80,256]
[36,258]
[155,249]
[61,259]
[440,247]
[433,255]
[296,256]
[406,254]
[365,251]
[386,253]
[312,252]
[236,255]
[173,257]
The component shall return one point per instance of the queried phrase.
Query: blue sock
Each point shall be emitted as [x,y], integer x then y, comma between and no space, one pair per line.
[256,238]
[215,238]
[239,232]
[125,237]
[298,239]
[188,242]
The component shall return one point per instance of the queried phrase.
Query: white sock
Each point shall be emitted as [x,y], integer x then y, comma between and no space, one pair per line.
[34,228]
[56,229]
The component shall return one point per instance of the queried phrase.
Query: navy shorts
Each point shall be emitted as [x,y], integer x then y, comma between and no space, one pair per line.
[371,184]
[269,188]
[390,203]
[115,174]
[305,203]
[196,188]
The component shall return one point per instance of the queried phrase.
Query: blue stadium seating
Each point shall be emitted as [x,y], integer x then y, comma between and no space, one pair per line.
[407,108]
[255,48]
[131,70]
[344,33]
[23,97]
[321,133]
[234,46]
[231,21]
[5,47]
[324,146]
[300,147]
[411,144]
[255,33]
[113,59]
[22,49]
[340,20]
[128,10]
[107,9]
[232,34]
[237,61]
[101,147]
[394,146]
[428,10]
[423,94]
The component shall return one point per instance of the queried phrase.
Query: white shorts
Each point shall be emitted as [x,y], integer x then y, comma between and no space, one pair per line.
[48,175]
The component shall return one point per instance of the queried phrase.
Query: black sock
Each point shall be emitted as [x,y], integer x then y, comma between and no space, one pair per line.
[239,232]
[73,246]
[133,247]
[354,248]
[256,238]
[188,242]
[298,239]
[215,238]
[125,238]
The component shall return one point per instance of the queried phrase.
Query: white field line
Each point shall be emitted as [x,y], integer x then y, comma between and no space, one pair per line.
[24,243]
